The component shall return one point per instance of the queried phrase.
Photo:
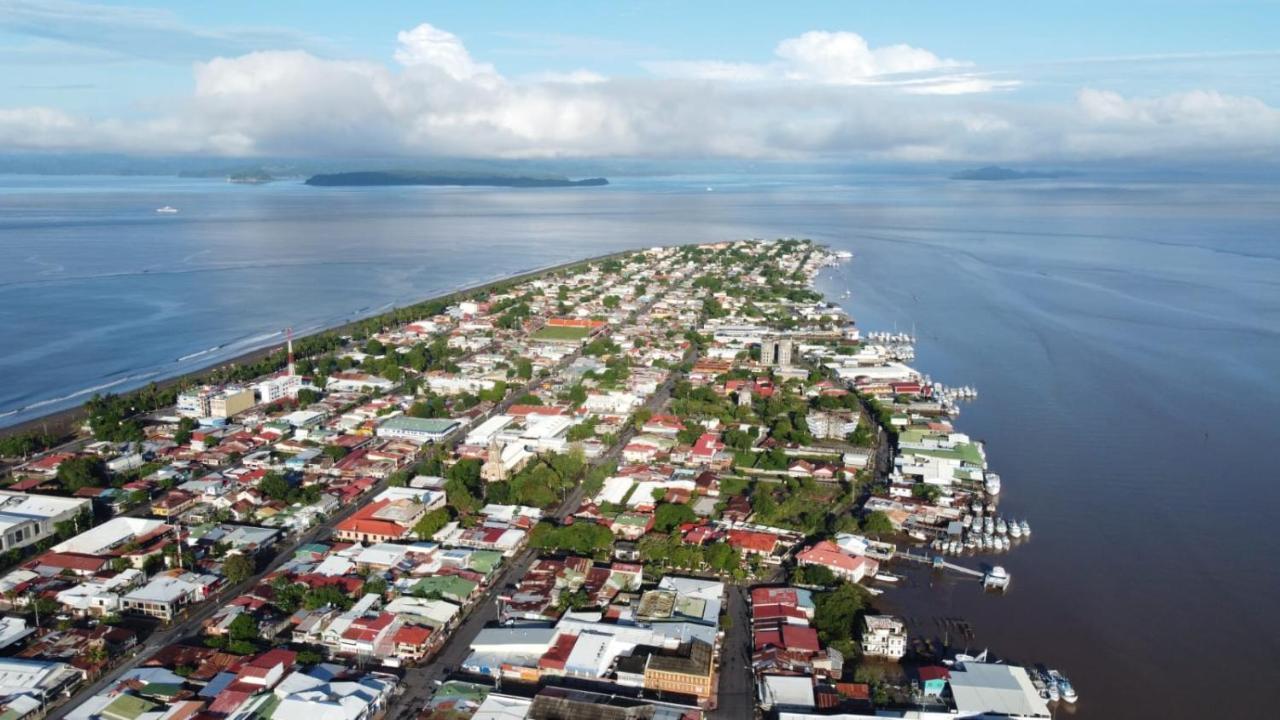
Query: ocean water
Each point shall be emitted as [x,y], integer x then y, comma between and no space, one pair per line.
[1124,337]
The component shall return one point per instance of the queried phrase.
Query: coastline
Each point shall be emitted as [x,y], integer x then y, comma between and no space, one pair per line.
[64,423]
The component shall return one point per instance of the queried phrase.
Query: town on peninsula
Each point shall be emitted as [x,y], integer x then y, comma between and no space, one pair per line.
[660,484]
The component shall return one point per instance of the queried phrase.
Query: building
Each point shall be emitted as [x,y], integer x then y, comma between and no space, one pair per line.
[381,521]
[211,402]
[27,519]
[884,636]
[775,351]
[163,597]
[279,387]
[419,430]
[27,685]
[828,554]
[833,425]
[688,670]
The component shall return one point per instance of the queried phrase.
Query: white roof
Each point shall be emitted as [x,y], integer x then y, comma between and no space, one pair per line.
[38,507]
[787,691]
[592,655]
[615,490]
[502,707]
[996,689]
[97,540]
[163,588]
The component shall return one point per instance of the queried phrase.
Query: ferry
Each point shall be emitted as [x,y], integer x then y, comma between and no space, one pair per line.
[167,210]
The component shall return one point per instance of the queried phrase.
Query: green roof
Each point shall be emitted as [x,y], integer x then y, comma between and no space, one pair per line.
[127,707]
[965,452]
[484,560]
[448,586]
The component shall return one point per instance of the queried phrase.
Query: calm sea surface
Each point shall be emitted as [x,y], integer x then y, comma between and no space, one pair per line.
[1125,339]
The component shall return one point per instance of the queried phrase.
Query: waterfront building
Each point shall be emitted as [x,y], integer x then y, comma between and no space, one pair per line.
[884,636]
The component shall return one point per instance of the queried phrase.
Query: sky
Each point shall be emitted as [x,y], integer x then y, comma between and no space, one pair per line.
[809,81]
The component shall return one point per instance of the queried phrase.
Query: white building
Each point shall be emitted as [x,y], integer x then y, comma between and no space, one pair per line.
[884,636]
[279,388]
[27,519]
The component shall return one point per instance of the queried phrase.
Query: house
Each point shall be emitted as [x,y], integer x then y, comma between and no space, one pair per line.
[884,636]
[381,521]
[172,504]
[164,596]
[829,555]
[753,541]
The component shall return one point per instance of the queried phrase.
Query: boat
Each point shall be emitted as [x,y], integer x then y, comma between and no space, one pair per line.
[1026,528]
[1001,526]
[917,535]
[992,483]
[887,577]
[1065,690]
[167,210]
[1015,530]
[1050,687]
[874,591]
[997,579]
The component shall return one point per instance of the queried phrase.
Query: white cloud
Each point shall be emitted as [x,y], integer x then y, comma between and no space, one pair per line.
[906,104]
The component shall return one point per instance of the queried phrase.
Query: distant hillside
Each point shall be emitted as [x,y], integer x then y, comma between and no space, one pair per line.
[407,177]
[994,172]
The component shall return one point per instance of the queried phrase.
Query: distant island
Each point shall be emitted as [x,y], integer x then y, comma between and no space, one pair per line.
[406,177]
[251,177]
[994,172]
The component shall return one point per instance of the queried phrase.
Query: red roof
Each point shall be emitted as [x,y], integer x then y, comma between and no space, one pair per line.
[829,554]
[800,637]
[412,635]
[934,672]
[72,561]
[523,410]
[774,596]
[556,656]
[367,629]
[761,542]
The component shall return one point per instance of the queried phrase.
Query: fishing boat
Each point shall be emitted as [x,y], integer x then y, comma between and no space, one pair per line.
[167,210]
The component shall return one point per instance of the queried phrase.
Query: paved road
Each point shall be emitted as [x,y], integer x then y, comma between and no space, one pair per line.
[737,689]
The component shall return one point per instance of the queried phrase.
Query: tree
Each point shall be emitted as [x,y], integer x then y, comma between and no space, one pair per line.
[925,491]
[669,516]
[307,396]
[238,568]
[243,628]
[183,434]
[432,522]
[877,523]
[335,452]
[274,486]
[82,471]
[836,612]
[524,369]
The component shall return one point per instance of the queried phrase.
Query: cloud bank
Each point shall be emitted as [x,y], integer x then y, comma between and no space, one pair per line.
[825,95]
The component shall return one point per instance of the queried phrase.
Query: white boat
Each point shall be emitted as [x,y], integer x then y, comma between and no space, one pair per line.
[1001,526]
[873,591]
[167,210]
[1026,528]
[997,579]
[1002,543]
[1015,530]
[887,577]
[992,483]
[1065,690]
[1051,687]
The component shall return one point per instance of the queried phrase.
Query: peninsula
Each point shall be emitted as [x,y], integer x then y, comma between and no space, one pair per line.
[677,478]
[369,178]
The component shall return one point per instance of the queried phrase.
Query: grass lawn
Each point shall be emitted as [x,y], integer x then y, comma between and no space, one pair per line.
[561,333]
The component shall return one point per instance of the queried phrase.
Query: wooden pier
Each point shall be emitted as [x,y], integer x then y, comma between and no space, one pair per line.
[939,562]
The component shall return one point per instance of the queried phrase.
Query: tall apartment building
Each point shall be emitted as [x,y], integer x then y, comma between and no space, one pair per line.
[775,351]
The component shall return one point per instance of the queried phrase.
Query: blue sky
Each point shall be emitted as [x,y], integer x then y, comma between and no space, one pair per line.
[101,70]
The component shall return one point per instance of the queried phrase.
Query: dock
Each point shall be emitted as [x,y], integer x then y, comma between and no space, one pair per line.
[939,562]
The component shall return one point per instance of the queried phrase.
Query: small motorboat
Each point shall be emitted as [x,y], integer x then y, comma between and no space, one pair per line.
[887,577]
[167,210]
